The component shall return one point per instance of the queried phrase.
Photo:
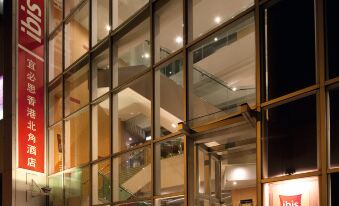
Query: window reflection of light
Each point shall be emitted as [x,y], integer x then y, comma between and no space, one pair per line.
[178,39]
[217,19]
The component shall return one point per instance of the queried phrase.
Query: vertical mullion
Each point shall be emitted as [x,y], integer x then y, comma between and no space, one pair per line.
[257,22]
[321,65]
[151,22]
[90,105]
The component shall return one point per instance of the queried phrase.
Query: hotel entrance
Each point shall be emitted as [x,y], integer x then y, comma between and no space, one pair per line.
[225,163]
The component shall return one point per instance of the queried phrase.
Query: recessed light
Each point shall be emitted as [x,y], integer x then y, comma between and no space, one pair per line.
[216,39]
[217,19]
[178,39]
[234,89]
[174,125]
[146,55]
[108,27]
[130,139]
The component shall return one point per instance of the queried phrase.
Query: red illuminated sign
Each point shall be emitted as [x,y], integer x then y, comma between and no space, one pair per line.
[31,143]
[294,200]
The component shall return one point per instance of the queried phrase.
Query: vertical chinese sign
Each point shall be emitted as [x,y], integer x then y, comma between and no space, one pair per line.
[31,85]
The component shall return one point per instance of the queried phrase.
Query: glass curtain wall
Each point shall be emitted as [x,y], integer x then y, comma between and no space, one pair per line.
[124,76]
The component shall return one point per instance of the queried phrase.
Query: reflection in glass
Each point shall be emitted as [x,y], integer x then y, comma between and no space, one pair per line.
[169,166]
[285,76]
[290,138]
[334,127]
[214,13]
[54,13]
[101,182]
[168,28]
[77,187]
[55,55]
[55,104]
[77,34]
[124,9]
[131,53]
[101,130]
[56,194]
[226,166]
[222,71]
[132,175]
[77,139]
[101,74]
[55,149]
[132,114]
[170,93]
[76,90]
[172,201]
[100,20]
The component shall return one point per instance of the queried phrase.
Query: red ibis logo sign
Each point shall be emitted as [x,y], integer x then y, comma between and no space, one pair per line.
[31,143]
[290,200]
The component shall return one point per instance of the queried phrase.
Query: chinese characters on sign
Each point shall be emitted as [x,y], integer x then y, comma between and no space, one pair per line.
[31,85]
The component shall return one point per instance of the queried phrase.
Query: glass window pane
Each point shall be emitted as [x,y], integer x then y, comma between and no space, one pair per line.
[77,35]
[132,175]
[101,182]
[101,74]
[76,90]
[77,139]
[214,13]
[143,203]
[289,58]
[292,192]
[170,93]
[100,20]
[287,129]
[132,110]
[169,166]
[77,187]
[222,71]
[332,33]
[56,194]
[124,9]
[334,127]
[172,201]
[101,130]
[70,5]
[55,148]
[168,28]
[131,53]
[55,104]
[55,55]
[55,13]
[334,186]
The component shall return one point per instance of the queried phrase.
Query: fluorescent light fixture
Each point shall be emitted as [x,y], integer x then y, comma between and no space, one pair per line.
[212,144]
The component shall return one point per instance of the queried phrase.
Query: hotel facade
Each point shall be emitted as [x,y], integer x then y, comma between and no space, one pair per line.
[169,102]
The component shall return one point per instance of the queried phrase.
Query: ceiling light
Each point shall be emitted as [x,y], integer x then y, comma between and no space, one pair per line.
[216,39]
[217,19]
[130,139]
[234,89]
[178,39]
[108,27]
[174,125]
[212,144]
[132,113]
[148,138]
[146,55]
[235,183]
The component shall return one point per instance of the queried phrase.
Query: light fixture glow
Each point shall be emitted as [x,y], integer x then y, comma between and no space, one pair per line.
[178,39]
[108,27]
[235,183]
[146,55]
[148,138]
[174,125]
[216,39]
[217,19]
[234,89]
[130,139]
